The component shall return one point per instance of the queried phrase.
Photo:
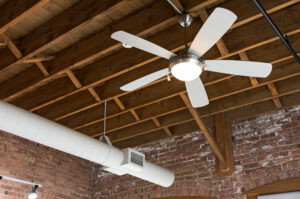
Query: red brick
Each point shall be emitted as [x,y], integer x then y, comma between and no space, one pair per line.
[261,158]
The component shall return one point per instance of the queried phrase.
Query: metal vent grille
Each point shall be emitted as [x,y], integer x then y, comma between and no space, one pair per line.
[137,159]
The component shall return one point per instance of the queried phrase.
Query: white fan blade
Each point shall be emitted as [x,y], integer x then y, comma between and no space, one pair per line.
[145,80]
[243,68]
[141,44]
[197,93]
[216,25]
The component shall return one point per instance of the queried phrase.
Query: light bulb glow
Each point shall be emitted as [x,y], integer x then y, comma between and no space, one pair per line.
[186,71]
[32,195]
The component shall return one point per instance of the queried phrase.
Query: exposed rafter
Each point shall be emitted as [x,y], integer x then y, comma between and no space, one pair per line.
[72,86]
[58,31]
[203,128]
[14,11]
[11,45]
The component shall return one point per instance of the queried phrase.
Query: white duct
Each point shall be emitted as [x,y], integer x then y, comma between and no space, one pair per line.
[38,129]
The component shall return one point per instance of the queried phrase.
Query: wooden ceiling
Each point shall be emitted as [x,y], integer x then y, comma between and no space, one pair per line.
[57,60]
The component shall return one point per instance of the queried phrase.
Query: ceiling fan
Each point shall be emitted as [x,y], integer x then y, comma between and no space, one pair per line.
[187,65]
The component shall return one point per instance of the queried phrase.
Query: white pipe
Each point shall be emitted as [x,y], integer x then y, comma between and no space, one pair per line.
[19,181]
[38,129]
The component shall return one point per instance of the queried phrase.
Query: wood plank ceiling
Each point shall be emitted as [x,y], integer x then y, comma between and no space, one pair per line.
[57,60]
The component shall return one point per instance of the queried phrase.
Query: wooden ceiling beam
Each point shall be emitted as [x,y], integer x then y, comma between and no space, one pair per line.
[238,100]
[116,128]
[63,59]
[264,107]
[122,107]
[74,79]
[96,69]
[276,77]
[151,20]
[57,28]
[119,103]
[85,87]
[38,59]
[290,71]
[15,11]
[121,136]
[88,74]
[254,82]
[166,129]
[160,109]
[233,115]
[94,94]
[12,47]
[42,68]
[274,92]
[269,11]
[182,121]
[214,145]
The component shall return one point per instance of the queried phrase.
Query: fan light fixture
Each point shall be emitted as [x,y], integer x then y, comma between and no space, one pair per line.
[186,66]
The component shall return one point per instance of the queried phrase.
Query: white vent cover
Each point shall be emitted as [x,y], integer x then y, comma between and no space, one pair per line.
[133,160]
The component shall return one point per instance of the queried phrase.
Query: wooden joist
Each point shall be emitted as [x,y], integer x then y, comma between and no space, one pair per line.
[135,118]
[166,129]
[105,62]
[111,85]
[204,129]
[59,27]
[63,60]
[290,71]
[94,94]
[213,105]
[14,11]
[38,59]
[274,92]
[42,68]
[12,47]
[74,79]
[243,113]
[224,105]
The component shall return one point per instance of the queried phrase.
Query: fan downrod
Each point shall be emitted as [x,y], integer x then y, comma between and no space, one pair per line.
[185,19]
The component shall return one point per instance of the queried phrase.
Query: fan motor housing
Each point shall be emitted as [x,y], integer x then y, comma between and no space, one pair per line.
[186,66]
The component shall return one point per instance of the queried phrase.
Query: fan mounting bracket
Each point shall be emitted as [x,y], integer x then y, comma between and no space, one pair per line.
[185,19]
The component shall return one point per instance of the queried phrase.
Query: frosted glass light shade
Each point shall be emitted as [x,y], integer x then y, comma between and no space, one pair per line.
[186,71]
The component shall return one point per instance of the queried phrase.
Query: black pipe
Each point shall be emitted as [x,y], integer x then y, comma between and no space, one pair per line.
[284,40]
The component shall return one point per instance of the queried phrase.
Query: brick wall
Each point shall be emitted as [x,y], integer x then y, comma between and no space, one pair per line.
[62,176]
[266,149]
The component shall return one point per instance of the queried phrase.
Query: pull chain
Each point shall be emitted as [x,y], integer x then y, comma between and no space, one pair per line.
[104,119]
